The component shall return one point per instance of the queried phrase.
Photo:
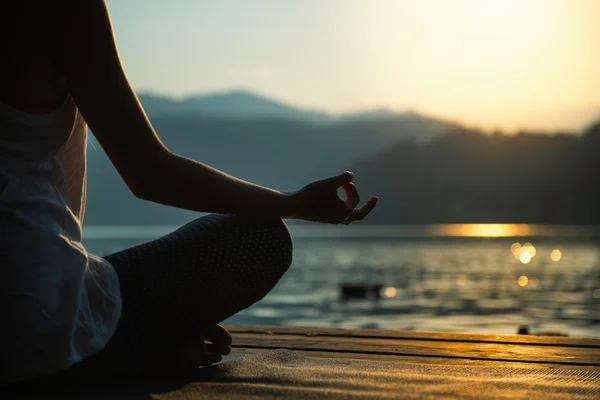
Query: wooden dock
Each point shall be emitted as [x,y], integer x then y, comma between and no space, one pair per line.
[273,362]
[422,347]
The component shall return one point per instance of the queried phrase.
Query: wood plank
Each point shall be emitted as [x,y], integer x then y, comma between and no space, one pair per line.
[519,352]
[420,335]
[418,360]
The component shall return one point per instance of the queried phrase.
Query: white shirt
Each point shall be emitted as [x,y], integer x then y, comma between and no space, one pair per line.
[58,304]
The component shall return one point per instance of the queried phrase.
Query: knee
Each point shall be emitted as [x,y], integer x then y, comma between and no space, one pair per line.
[280,239]
[266,240]
[269,248]
[272,238]
[242,257]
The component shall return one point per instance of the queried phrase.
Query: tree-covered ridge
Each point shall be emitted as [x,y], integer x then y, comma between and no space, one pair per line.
[470,176]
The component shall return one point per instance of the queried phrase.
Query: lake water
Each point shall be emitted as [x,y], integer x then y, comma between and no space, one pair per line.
[461,278]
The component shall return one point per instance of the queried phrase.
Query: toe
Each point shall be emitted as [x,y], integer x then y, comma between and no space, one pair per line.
[218,335]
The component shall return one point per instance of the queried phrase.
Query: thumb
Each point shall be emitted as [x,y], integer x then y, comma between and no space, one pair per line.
[342,179]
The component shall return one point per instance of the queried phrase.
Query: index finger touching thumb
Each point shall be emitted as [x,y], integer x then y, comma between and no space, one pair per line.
[343,179]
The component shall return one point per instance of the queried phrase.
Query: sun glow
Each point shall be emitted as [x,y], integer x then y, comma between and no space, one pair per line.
[506,64]
[483,45]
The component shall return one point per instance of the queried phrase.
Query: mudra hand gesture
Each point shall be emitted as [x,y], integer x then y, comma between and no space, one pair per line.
[320,202]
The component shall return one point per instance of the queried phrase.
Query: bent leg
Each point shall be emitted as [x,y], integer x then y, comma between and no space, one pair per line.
[204,272]
[178,285]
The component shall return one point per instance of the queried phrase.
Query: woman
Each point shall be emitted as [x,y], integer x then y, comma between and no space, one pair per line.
[144,308]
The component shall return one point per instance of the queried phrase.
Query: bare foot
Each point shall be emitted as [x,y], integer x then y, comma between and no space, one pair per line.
[217,344]
[190,353]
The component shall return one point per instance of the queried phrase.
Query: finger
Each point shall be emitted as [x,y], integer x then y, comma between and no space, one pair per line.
[217,334]
[360,213]
[352,196]
[341,179]
[217,349]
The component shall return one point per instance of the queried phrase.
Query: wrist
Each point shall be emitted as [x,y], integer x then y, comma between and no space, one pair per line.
[290,205]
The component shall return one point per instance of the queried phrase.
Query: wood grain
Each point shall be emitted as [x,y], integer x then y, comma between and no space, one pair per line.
[424,346]
[421,335]
[419,360]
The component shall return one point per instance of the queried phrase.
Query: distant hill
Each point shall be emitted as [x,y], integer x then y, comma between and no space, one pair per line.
[247,105]
[255,139]
[234,104]
[467,176]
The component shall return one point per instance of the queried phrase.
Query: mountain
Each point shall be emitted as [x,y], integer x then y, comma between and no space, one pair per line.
[234,104]
[261,141]
[247,105]
[380,113]
[468,176]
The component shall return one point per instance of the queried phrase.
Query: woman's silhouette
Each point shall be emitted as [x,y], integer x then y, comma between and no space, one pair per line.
[144,308]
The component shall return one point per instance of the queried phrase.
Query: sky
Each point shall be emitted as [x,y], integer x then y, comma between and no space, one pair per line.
[493,64]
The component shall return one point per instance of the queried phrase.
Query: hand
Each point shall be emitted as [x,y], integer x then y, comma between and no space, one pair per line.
[320,202]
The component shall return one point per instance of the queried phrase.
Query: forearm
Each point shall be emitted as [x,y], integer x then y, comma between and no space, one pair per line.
[184,183]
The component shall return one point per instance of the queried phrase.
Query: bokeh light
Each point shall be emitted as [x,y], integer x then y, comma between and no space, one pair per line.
[390,291]
[524,253]
[556,255]
[523,281]
[529,248]
[525,258]
[515,248]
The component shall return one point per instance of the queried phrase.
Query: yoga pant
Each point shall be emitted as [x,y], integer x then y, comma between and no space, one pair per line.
[175,286]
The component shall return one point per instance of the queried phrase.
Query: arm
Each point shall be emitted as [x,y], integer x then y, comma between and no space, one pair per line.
[81,36]
[83,41]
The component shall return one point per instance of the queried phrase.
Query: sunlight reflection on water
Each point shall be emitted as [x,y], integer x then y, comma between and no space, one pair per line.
[484,230]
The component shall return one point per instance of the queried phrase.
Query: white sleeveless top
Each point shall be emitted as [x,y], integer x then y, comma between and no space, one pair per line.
[58,304]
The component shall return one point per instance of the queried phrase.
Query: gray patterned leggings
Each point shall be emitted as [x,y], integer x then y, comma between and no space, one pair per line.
[192,278]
